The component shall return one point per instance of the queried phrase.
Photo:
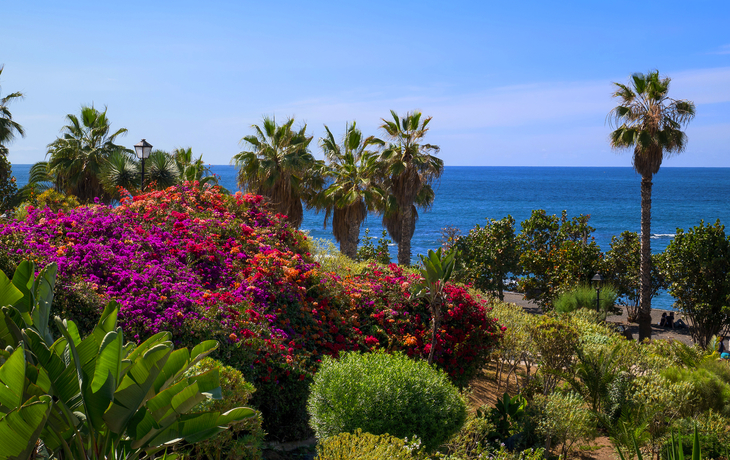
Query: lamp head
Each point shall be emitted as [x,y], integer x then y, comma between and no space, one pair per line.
[143,149]
[597,279]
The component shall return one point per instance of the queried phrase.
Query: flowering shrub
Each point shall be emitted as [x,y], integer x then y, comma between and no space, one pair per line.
[206,265]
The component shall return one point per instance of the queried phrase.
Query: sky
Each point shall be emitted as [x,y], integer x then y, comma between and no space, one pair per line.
[507,83]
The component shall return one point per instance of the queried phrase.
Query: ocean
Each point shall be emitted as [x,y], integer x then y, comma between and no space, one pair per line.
[467,195]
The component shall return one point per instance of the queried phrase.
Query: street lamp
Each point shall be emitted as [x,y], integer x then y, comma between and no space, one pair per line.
[143,150]
[598,279]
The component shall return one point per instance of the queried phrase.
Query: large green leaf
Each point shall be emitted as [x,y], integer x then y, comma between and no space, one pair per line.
[202,350]
[209,383]
[12,380]
[23,280]
[64,381]
[43,287]
[108,360]
[9,331]
[160,406]
[141,349]
[19,430]
[201,426]
[9,294]
[136,385]
[177,364]
[108,321]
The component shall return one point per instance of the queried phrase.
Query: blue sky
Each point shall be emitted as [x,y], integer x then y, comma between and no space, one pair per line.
[507,83]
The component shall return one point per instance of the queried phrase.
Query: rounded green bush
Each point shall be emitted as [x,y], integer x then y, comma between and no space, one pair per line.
[384,393]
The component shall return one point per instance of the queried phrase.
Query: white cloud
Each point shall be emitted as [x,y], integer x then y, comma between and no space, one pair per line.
[724,49]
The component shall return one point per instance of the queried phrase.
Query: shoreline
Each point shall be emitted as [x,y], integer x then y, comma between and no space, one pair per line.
[657,332]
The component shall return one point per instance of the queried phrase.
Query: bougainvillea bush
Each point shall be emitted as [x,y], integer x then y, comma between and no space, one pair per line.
[203,264]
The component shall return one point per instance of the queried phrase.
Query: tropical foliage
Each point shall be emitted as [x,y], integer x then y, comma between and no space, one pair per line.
[436,272]
[697,267]
[96,398]
[650,122]
[622,270]
[354,174]
[411,169]
[200,263]
[9,128]
[488,255]
[279,167]
[556,253]
[385,394]
[76,159]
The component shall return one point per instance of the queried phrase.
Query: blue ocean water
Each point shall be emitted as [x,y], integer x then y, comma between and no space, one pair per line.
[467,195]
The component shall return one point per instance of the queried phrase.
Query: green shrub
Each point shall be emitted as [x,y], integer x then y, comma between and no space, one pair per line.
[49,199]
[78,299]
[717,367]
[330,258]
[366,446]
[383,393]
[517,347]
[556,341]
[710,391]
[584,296]
[713,430]
[242,440]
[565,420]
[472,440]
[368,252]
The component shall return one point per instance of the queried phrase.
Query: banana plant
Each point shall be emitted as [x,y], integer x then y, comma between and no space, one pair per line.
[436,272]
[23,414]
[107,399]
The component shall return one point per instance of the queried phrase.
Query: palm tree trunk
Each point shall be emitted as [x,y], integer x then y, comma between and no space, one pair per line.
[644,317]
[404,245]
[353,236]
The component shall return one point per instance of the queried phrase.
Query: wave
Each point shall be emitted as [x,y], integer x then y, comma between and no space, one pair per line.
[656,236]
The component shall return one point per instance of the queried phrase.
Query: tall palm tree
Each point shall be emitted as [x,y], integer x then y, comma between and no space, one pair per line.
[278,166]
[77,158]
[412,168]
[650,122]
[354,191]
[9,128]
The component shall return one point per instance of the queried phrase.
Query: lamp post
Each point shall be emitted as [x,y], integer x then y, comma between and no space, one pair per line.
[143,150]
[598,279]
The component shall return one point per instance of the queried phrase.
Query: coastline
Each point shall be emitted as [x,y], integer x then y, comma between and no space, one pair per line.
[657,332]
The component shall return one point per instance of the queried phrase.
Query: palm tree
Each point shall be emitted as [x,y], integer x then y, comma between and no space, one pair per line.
[8,127]
[39,180]
[8,130]
[162,170]
[120,170]
[278,166]
[650,122]
[77,158]
[192,169]
[354,191]
[411,169]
